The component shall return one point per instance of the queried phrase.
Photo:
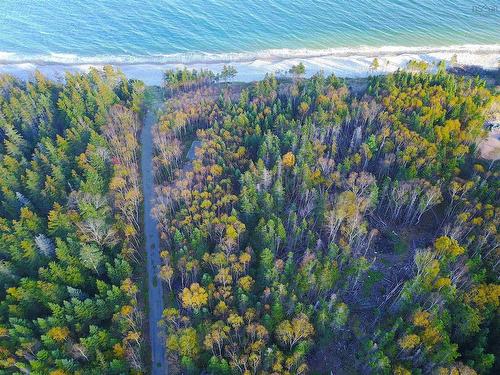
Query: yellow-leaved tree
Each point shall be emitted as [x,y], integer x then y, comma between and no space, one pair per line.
[290,333]
[288,160]
[194,297]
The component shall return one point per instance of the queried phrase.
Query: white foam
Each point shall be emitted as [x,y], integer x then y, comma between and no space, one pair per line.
[240,57]
[344,62]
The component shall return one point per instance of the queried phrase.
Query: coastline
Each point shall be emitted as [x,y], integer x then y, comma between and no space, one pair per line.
[251,66]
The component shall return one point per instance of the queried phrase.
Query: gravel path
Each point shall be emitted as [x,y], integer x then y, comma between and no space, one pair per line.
[152,241]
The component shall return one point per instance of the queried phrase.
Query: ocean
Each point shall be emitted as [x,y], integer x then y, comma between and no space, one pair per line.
[257,36]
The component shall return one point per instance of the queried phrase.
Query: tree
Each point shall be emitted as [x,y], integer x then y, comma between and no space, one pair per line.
[448,246]
[409,341]
[375,64]
[68,303]
[299,188]
[91,257]
[228,73]
[216,336]
[298,71]
[194,297]
[166,274]
[454,60]
[58,333]
[290,333]
[288,160]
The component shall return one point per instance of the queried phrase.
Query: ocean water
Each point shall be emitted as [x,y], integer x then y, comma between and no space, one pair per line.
[254,34]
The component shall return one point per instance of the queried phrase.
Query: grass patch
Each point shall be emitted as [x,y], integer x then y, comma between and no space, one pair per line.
[399,243]
[372,277]
[385,262]
[400,246]
[170,298]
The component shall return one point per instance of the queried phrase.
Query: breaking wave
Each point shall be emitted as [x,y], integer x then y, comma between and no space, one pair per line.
[273,55]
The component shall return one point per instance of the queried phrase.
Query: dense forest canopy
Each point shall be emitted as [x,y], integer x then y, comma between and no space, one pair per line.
[69,225]
[312,228]
[319,230]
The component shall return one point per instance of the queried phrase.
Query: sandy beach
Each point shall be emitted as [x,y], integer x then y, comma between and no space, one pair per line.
[352,63]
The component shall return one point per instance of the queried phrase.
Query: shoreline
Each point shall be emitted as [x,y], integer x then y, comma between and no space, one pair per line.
[272,55]
[343,62]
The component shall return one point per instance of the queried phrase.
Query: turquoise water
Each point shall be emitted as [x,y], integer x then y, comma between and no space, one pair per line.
[126,31]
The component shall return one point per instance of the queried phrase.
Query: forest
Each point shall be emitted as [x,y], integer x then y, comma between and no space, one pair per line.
[70,206]
[312,229]
[307,226]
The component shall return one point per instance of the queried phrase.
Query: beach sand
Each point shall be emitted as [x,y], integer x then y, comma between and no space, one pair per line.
[355,63]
